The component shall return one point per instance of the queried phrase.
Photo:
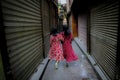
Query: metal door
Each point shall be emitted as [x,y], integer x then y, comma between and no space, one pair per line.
[104,32]
[22,22]
[46,26]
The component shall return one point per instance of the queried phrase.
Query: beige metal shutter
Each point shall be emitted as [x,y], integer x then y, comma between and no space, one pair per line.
[104,28]
[46,25]
[22,21]
[82,30]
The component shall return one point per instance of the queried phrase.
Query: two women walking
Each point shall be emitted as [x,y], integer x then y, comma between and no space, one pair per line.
[58,52]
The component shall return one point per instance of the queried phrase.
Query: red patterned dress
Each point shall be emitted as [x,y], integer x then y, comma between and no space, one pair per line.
[56,52]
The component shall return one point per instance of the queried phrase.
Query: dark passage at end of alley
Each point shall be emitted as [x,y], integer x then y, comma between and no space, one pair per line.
[77,70]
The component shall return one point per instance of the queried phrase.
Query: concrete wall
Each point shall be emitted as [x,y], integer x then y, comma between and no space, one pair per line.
[69,3]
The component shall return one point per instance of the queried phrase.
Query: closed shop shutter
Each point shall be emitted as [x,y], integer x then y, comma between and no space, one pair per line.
[22,21]
[104,28]
[82,30]
[46,25]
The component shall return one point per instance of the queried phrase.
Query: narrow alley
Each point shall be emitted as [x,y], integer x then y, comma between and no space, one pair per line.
[25,39]
[77,70]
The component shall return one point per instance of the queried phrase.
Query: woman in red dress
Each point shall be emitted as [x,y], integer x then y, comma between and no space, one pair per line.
[68,51]
[56,52]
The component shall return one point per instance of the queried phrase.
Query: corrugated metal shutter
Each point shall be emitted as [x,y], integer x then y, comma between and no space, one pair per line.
[22,21]
[82,30]
[104,28]
[46,25]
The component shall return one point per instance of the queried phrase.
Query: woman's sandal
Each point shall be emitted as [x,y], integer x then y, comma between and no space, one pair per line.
[56,65]
[67,65]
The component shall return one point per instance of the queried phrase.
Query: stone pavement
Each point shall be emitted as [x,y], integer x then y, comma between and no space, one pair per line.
[77,70]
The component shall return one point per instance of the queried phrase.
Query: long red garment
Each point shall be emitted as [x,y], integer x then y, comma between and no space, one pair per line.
[68,51]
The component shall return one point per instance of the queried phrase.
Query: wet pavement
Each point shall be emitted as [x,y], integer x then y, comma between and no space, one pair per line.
[77,70]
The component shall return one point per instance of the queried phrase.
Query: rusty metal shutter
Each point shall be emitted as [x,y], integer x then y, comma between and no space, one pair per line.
[22,21]
[104,29]
[46,25]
